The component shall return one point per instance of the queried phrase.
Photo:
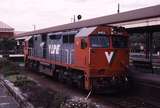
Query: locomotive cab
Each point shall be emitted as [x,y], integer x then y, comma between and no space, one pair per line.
[108,53]
[109,57]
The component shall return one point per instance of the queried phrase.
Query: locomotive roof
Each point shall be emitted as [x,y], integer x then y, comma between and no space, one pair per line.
[85,32]
[137,14]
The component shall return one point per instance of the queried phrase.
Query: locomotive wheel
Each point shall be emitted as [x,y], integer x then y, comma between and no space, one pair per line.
[80,83]
[61,76]
[55,74]
[69,81]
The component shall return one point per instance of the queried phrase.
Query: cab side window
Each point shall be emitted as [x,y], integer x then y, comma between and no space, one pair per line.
[83,44]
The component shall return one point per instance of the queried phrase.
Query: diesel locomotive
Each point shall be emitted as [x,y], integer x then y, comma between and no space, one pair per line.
[94,58]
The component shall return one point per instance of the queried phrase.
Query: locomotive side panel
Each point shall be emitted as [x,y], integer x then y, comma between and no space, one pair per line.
[54,43]
[68,48]
[82,58]
[60,47]
[67,53]
[37,46]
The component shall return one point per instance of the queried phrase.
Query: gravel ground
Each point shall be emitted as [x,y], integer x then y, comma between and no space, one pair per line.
[52,93]
[38,94]
[6,100]
[123,100]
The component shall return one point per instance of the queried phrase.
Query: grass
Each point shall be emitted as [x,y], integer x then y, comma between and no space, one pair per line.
[39,96]
[8,68]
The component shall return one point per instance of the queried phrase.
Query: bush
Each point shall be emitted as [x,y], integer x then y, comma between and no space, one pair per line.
[8,68]
[51,99]
[21,81]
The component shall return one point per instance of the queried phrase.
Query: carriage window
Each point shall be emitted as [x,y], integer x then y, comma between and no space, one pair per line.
[71,39]
[44,37]
[55,37]
[68,39]
[35,38]
[119,42]
[83,43]
[65,38]
[99,41]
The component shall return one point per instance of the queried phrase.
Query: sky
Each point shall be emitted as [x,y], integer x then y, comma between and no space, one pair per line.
[24,14]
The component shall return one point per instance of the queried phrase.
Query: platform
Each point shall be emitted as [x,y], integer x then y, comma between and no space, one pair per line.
[146,84]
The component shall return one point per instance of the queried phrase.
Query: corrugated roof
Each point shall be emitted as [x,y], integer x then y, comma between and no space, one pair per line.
[137,14]
[4,26]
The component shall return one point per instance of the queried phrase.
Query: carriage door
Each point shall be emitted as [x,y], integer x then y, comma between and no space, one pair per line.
[81,52]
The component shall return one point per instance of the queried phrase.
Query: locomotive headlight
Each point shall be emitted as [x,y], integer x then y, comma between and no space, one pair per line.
[112,31]
[101,33]
[126,79]
[113,78]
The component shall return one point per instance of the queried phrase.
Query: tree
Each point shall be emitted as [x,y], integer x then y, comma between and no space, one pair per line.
[6,45]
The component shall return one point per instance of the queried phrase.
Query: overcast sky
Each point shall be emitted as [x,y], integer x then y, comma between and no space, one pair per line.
[23,14]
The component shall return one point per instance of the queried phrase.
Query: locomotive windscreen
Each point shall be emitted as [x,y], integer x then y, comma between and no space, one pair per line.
[119,42]
[99,41]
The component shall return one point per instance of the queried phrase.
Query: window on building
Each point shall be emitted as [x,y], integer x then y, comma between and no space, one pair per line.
[156,43]
[137,42]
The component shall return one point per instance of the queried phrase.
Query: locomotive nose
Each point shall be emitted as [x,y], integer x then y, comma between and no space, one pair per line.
[111,61]
[109,56]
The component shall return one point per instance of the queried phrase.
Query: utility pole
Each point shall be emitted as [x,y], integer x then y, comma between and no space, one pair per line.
[34,27]
[118,10]
[79,17]
[74,18]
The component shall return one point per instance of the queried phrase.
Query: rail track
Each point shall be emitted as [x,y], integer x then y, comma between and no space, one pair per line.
[120,100]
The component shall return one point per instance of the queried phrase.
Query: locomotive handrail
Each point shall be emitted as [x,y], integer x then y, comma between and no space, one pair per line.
[141,54]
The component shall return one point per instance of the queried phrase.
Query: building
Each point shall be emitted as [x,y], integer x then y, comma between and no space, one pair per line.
[5,30]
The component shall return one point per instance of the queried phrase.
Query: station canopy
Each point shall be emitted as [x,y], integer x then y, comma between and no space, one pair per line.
[26,38]
[134,15]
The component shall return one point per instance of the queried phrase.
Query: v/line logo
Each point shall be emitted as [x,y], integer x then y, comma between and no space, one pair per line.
[109,56]
[54,49]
